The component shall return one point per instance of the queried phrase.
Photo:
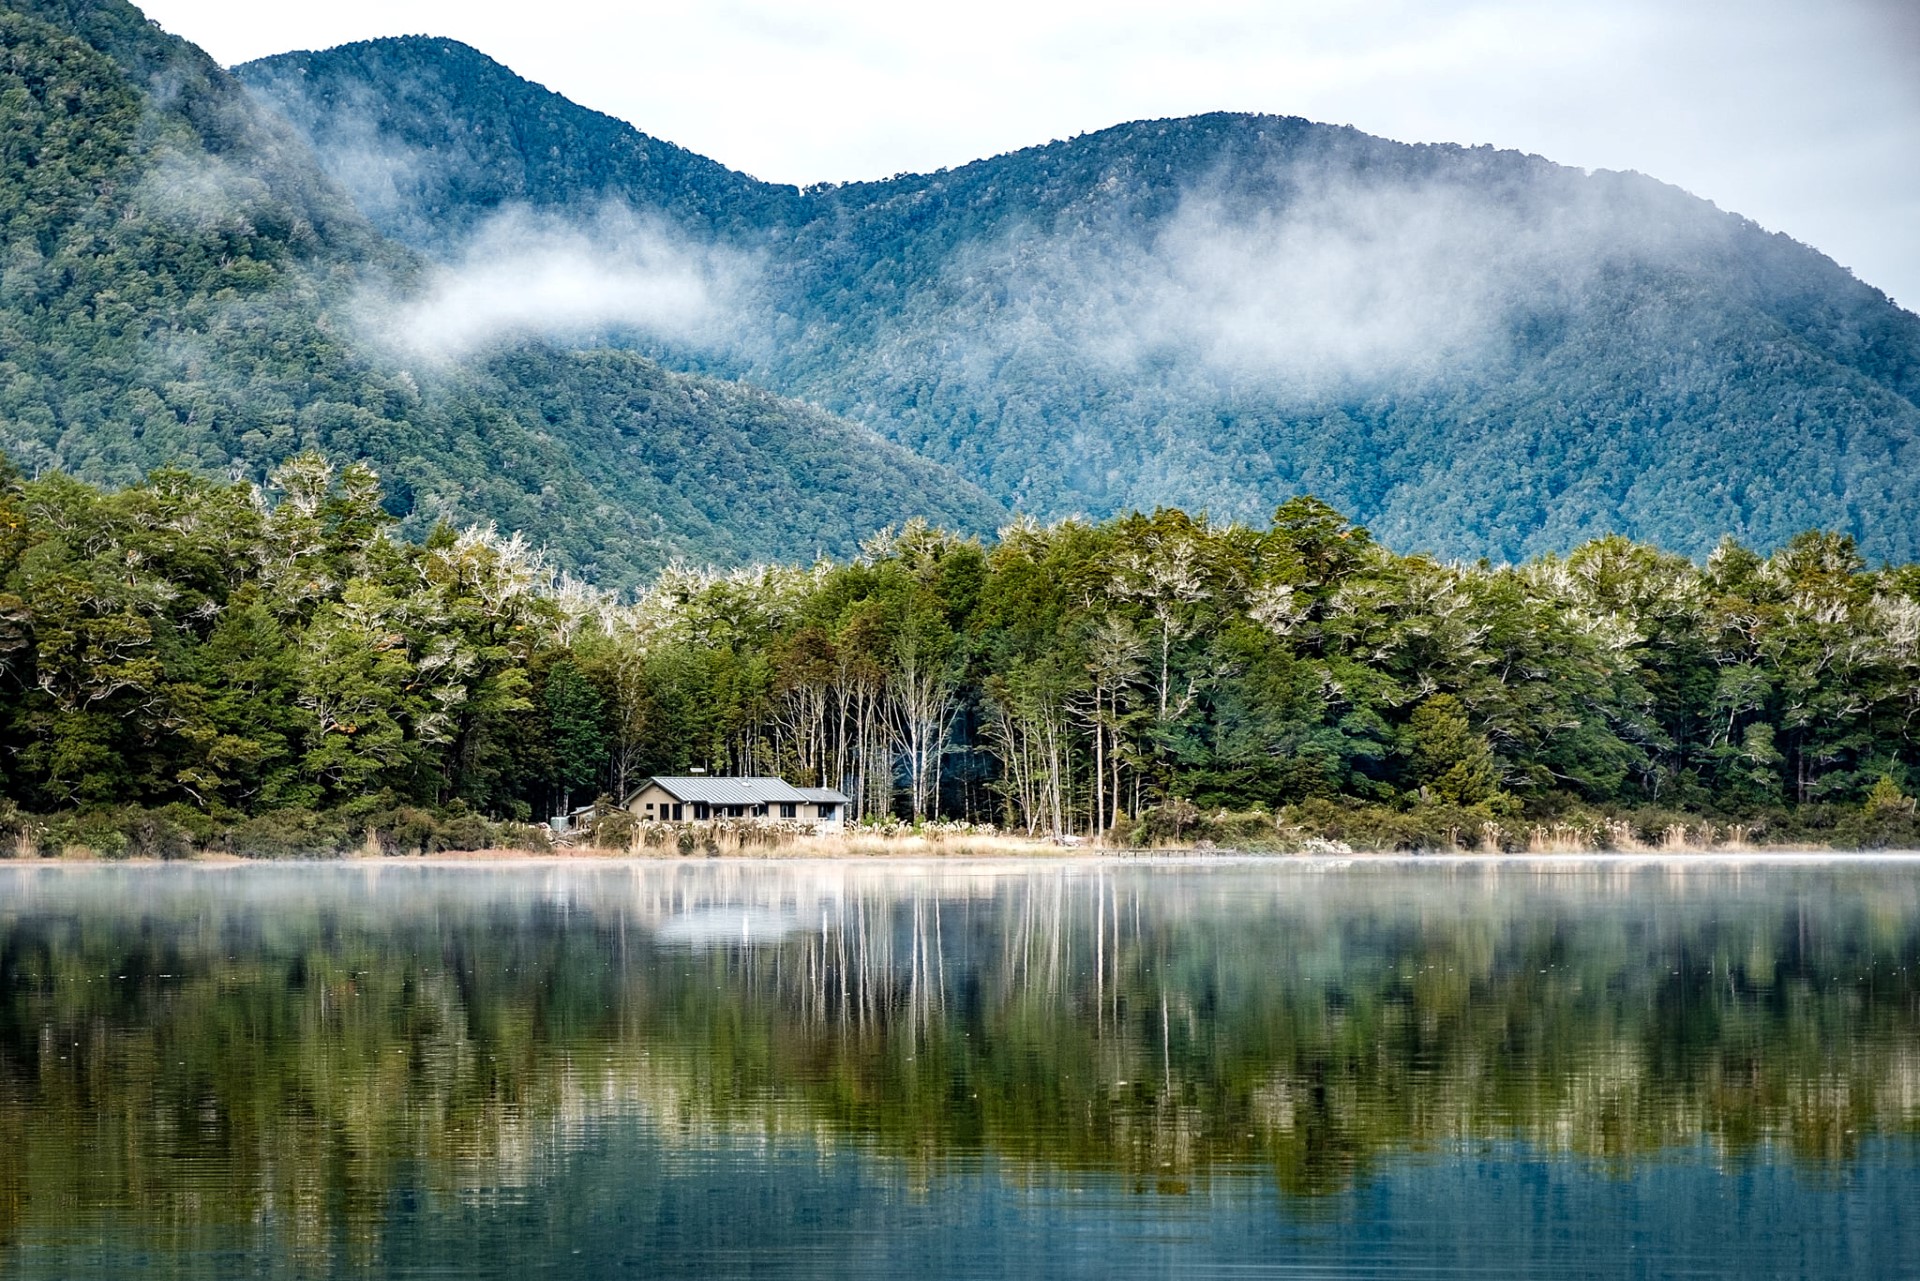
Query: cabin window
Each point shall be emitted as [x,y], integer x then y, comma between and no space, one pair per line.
[677,810]
[699,810]
[826,811]
[789,811]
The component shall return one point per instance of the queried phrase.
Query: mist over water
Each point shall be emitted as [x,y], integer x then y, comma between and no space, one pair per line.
[959,1068]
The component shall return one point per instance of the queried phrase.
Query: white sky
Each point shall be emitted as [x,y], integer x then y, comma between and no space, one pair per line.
[1802,114]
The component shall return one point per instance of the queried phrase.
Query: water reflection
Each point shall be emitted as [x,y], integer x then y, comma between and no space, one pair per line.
[204,1058]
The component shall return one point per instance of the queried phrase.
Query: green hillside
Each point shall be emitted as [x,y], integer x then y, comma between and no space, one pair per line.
[1476,352]
[182,284]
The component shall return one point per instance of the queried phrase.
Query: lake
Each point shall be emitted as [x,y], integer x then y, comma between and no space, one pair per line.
[1076,1068]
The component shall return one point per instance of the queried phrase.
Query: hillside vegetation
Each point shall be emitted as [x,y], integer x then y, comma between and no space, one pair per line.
[1475,352]
[184,286]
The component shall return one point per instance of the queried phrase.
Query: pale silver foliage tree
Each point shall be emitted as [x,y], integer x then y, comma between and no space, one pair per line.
[1116,657]
[921,705]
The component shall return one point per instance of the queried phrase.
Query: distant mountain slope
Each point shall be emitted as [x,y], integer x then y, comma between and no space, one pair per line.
[682,465]
[366,107]
[183,284]
[1477,352]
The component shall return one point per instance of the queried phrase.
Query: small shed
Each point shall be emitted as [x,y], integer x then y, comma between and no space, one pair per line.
[572,820]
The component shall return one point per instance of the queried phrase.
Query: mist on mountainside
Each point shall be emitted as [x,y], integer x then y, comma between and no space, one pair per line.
[522,275]
[1317,282]
[1476,352]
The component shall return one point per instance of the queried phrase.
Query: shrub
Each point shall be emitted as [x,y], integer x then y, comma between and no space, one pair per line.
[289,833]
[521,836]
[889,827]
[1171,821]
[463,831]
[21,834]
[404,830]
[1426,826]
[201,829]
[614,830]
[411,829]
[124,832]
[1886,821]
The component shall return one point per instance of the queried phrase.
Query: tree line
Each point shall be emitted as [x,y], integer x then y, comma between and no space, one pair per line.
[212,653]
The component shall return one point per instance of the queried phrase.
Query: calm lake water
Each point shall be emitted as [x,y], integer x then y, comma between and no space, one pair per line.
[1062,1069]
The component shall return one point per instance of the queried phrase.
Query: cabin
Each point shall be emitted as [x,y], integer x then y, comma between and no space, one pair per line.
[704,798]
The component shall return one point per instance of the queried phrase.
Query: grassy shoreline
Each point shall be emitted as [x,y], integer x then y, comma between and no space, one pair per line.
[506,860]
[1311,828]
[999,851]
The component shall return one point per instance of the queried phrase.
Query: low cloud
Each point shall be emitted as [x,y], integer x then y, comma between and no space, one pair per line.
[1346,283]
[1344,279]
[199,193]
[526,275]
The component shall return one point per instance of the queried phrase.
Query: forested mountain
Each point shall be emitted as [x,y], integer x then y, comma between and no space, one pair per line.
[1474,351]
[182,284]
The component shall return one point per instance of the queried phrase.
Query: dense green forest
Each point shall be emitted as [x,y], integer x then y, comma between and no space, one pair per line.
[195,662]
[1473,352]
[181,284]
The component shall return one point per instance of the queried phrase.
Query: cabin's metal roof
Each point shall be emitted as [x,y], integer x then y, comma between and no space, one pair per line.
[711,790]
[816,794]
[771,789]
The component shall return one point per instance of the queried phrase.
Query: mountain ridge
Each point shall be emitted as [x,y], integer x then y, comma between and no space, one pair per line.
[1475,351]
[566,137]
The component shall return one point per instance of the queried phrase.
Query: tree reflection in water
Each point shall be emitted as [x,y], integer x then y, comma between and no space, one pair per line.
[183,1050]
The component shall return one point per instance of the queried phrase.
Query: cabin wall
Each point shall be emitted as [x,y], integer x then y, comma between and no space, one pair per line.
[648,803]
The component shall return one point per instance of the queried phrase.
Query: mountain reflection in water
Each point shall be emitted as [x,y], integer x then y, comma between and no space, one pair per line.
[705,1068]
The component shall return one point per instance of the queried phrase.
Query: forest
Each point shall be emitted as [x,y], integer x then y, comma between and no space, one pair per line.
[194,664]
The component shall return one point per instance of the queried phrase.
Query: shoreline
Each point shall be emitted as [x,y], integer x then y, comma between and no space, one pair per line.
[1785,856]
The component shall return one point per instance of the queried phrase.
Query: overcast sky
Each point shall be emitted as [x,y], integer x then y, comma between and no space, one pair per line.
[1802,114]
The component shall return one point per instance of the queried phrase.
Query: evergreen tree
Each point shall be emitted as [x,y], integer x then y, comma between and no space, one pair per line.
[576,729]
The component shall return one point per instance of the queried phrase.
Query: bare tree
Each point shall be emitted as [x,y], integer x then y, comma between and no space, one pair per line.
[920,710]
